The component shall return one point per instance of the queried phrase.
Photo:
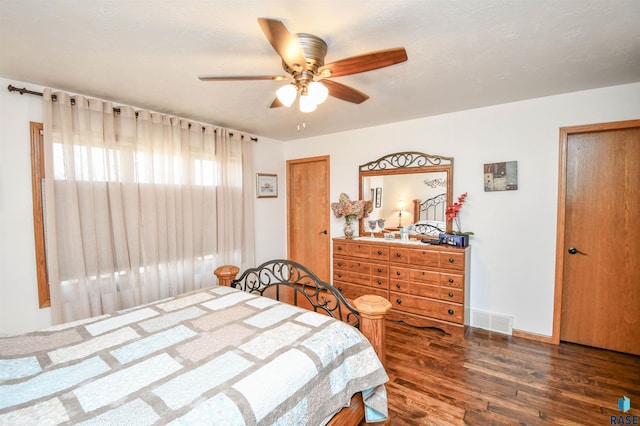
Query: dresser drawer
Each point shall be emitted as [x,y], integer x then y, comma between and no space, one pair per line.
[424,290]
[425,277]
[424,257]
[451,295]
[451,260]
[431,308]
[340,275]
[359,250]
[359,267]
[396,273]
[379,253]
[340,248]
[341,264]
[362,279]
[380,271]
[378,282]
[399,285]
[398,255]
[451,280]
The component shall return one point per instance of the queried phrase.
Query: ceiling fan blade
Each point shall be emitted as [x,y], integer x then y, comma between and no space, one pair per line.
[284,43]
[344,92]
[276,103]
[366,62]
[242,78]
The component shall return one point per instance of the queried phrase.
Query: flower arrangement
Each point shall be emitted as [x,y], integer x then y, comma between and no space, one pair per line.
[351,209]
[453,214]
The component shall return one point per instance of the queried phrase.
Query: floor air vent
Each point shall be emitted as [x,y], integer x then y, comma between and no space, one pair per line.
[492,321]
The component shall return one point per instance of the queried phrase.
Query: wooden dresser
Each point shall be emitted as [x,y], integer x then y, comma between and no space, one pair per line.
[427,285]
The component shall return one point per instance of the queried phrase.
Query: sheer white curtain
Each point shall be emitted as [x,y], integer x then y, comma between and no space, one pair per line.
[136,206]
[235,202]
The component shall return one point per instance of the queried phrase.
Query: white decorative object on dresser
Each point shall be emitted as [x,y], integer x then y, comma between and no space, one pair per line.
[427,285]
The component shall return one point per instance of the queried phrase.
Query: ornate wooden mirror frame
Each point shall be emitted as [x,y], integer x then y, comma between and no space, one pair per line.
[407,163]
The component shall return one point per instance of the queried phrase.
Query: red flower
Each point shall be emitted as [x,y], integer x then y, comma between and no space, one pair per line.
[453,210]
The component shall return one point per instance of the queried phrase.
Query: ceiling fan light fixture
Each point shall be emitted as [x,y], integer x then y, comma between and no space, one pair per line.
[318,92]
[287,94]
[307,104]
[303,60]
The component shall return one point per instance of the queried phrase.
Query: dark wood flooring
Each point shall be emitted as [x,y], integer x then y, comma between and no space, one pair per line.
[494,379]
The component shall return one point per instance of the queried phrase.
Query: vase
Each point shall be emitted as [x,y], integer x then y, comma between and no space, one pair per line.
[348,227]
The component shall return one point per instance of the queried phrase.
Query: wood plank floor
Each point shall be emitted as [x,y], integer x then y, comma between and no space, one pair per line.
[490,378]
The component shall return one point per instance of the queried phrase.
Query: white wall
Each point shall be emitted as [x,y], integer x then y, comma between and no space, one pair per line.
[513,250]
[19,310]
[270,213]
[18,284]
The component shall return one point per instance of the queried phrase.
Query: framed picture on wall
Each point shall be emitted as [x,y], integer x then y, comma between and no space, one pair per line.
[501,176]
[378,200]
[266,185]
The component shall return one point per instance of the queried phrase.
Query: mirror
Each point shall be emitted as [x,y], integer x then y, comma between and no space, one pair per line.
[407,188]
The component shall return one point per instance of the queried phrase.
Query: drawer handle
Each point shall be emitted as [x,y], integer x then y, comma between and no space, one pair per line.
[398,273]
[340,289]
[379,282]
[450,294]
[450,311]
[379,251]
[339,275]
[339,248]
[451,260]
[451,280]
[398,255]
[379,269]
[339,263]
[398,301]
[398,285]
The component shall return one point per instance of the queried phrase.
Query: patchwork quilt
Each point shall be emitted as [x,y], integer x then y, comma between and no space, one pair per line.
[214,356]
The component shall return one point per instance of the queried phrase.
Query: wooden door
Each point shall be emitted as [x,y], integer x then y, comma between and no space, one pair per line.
[599,236]
[308,210]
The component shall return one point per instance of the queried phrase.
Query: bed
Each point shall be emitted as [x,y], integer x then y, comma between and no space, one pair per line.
[230,354]
[430,215]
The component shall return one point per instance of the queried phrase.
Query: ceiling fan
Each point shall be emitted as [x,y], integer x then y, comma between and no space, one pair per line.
[303,60]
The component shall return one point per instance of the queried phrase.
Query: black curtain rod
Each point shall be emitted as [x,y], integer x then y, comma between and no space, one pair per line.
[24,90]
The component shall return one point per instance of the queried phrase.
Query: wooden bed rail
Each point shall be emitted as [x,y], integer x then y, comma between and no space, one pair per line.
[371,308]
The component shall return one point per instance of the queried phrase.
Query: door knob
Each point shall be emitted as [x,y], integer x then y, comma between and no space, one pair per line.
[323,232]
[573,250]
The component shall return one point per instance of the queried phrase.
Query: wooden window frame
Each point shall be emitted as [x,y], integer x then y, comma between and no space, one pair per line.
[37,180]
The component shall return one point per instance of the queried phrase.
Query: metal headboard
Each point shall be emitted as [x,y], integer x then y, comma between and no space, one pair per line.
[304,285]
[430,210]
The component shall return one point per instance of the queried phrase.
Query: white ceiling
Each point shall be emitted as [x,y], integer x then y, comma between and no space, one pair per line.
[462,54]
